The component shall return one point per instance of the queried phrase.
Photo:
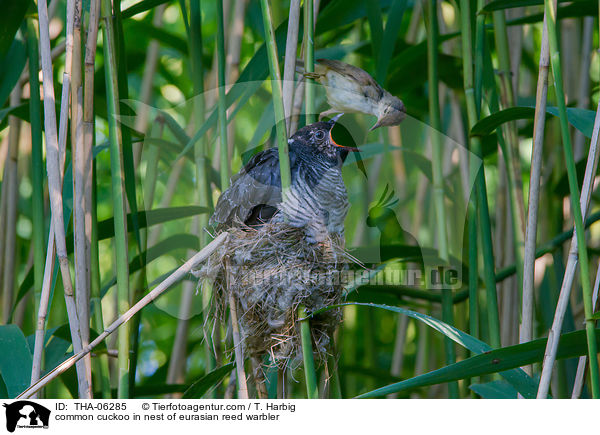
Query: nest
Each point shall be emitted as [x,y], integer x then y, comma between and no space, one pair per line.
[272,270]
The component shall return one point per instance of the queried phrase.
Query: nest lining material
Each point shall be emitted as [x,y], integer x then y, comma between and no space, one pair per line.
[272,270]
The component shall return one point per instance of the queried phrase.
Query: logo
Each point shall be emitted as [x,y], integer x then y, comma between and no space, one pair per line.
[26,414]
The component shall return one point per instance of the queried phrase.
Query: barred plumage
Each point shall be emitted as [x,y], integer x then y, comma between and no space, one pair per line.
[317,199]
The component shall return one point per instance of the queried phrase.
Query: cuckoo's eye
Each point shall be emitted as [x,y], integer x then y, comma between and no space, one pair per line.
[320,135]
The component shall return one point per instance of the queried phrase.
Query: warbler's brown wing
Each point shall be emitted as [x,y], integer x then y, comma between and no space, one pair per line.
[254,192]
[368,84]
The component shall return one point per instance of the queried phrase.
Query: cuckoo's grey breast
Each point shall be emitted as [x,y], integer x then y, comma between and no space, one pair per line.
[317,198]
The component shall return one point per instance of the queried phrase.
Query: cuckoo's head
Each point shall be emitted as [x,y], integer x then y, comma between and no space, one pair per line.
[319,136]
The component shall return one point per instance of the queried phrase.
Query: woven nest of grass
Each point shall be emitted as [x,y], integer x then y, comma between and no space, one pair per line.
[272,270]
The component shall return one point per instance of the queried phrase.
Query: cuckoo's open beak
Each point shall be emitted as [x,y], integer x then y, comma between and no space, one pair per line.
[333,121]
[341,146]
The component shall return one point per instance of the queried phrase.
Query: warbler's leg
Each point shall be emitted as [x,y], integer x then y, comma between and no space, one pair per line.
[312,75]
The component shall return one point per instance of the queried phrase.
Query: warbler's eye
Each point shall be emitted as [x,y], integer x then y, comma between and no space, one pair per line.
[320,135]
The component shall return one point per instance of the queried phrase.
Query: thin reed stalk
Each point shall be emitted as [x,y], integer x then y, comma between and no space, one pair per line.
[237,340]
[438,176]
[11,191]
[399,348]
[3,210]
[473,92]
[57,51]
[583,360]
[583,95]
[511,148]
[42,311]
[150,64]
[570,268]
[289,67]
[173,278]
[310,374]
[282,145]
[85,163]
[101,368]
[167,198]
[527,313]
[176,371]
[203,191]
[82,175]
[38,349]
[578,212]
[37,162]
[222,103]
[234,52]
[55,140]
[118,197]
[309,61]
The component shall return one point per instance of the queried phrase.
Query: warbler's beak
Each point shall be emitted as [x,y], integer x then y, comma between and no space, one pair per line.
[391,118]
[376,125]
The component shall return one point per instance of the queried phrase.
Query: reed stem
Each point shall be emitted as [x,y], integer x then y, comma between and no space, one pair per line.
[237,339]
[289,68]
[510,147]
[118,197]
[438,177]
[101,367]
[282,144]
[222,104]
[310,374]
[309,61]
[37,162]
[576,209]
[473,94]
[55,141]
[527,307]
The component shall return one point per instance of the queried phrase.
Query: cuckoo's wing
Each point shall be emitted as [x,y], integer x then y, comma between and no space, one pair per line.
[257,184]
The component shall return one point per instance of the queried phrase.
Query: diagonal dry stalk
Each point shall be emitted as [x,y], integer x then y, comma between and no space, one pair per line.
[53,167]
[175,277]
[526,329]
[567,283]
